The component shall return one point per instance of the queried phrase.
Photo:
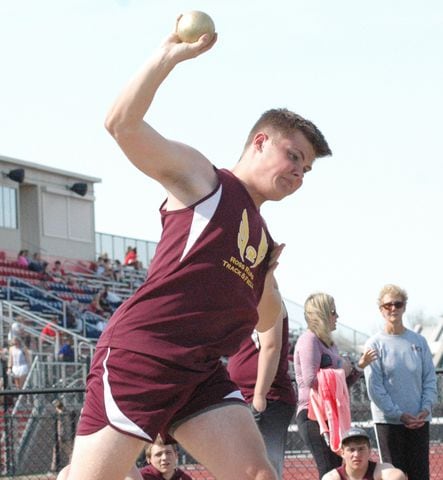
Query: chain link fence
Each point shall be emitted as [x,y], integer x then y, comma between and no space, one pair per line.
[37,429]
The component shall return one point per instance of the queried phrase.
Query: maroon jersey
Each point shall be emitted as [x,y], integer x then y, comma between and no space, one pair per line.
[369,475]
[203,286]
[242,369]
[151,473]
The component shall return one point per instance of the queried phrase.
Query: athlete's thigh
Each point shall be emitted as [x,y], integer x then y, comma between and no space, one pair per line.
[104,455]
[227,441]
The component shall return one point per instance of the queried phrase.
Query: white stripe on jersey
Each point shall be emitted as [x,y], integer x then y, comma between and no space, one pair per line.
[203,213]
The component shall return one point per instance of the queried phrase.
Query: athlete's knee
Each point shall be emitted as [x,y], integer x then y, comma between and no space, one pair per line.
[63,474]
[396,474]
[265,472]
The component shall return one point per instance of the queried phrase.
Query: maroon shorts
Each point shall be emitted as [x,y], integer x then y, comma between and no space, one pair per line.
[144,396]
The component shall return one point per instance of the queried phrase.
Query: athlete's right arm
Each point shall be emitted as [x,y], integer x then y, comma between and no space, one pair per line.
[185,173]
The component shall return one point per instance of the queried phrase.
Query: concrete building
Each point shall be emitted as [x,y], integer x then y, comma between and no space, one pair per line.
[46,210]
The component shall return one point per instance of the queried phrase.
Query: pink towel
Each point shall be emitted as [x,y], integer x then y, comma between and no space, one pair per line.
[330,405]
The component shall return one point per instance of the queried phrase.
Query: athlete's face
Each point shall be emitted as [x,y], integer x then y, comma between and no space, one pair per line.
[284,162]
[164,459]
[356,456]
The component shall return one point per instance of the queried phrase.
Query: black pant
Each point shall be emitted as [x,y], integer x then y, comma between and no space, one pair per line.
[273,424]
[405,448]
[324,457]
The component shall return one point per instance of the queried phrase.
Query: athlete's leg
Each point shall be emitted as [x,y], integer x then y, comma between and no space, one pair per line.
[134,474]
[226,440]
[63,474]
[104,455]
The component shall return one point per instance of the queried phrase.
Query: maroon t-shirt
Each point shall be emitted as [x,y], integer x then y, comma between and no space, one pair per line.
[203,286]
[242,368]
[151,473]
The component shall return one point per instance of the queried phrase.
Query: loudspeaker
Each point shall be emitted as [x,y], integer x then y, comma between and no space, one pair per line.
[17,175]
[80,188]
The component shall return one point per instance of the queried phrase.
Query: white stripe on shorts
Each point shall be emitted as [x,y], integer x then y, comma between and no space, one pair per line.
[235,394]
[115,416]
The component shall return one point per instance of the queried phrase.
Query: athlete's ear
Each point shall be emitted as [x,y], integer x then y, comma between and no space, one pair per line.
[259,141]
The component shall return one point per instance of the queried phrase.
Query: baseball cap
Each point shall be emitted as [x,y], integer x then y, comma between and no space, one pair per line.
[354,432]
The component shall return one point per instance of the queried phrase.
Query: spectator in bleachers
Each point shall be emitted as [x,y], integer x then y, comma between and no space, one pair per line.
[16,330]
[19,362]
[79,326]
[48,330]
[36,263]
[101,324]
[45,274]
[131,259]
[57,271]
[71,315]
[95,306]
[23,258]
[100,266]
[117,269]
[76,313]
[71,281]
[66,353]
[100,303]
[108,271]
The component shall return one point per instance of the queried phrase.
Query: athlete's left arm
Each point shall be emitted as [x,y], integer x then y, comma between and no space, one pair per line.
[270,306]
[267,364]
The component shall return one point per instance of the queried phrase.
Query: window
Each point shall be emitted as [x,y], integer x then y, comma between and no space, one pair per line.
[8,207]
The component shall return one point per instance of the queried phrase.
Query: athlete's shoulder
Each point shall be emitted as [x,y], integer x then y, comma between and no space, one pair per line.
[332,475]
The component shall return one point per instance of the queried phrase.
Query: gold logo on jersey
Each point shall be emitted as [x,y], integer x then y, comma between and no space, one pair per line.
[248,253]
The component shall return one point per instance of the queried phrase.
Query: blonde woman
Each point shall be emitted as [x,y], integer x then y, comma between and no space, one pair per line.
[19,362]
[315,349]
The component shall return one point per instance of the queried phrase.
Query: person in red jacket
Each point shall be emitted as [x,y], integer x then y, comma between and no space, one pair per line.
[131,258]
[162,463]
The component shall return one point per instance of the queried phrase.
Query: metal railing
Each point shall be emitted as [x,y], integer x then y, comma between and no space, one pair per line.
[32,324]
[48,441]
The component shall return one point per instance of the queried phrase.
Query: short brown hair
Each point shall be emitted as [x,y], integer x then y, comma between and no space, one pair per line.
[286,123]
[159,442]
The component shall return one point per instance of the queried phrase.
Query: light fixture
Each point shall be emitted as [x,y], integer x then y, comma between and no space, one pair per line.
[79,188]
[16,175]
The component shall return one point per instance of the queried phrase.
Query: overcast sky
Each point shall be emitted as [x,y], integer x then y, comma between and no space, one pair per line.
[369,74]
